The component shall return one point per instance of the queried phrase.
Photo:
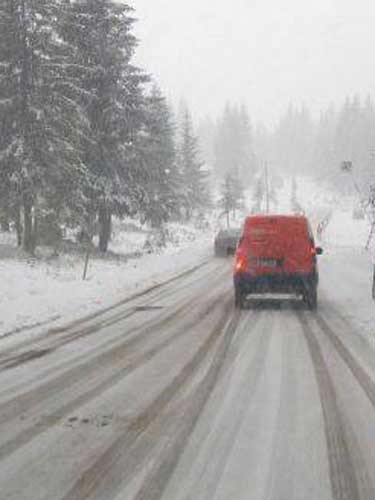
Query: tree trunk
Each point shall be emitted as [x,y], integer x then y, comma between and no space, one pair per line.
[35,230]
[4,224]
[29,228]
[105,228]
[17,220]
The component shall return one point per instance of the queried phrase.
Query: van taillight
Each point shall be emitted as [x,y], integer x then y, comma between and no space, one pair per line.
[240,264]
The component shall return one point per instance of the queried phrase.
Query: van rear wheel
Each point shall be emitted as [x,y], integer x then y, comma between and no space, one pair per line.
[238,299]
[310,298]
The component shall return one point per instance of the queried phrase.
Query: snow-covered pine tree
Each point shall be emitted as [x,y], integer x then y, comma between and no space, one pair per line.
[6,47]
[233,144]
[163,186]
[247,166]
[39,110]
[232,195]
[227,201]
[258,195]
[225,155]
[101,33]
[206,132]
[238,191]
[196,197]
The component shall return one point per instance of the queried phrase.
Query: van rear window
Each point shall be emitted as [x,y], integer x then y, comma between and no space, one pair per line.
[275,227]
[262,230]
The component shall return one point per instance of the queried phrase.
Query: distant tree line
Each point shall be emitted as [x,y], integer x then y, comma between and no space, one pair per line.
[228,143]
[82,136]
[303,145]
[299,144]
[228,147]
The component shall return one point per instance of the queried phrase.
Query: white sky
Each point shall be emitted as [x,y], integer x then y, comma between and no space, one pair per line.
[266,53]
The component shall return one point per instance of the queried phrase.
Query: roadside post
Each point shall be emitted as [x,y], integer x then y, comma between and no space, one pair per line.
[86,265]
[87,237]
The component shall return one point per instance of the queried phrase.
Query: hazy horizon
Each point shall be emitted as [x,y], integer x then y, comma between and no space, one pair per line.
[264,54]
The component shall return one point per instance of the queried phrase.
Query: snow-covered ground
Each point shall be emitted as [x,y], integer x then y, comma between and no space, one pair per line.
[346,270]
[346,267]
[226,403]
[50,292]
[36,292]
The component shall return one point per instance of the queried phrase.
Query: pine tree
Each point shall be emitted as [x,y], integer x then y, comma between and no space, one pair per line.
[293,141]
[206,133]
[232,196]
[247,166]
[101,33]
[324,160]
[234,144]
[7,105]
[39,109]
[238,191]
[196,196]
[227,200]
[226,150]
[163,185]
[258,195]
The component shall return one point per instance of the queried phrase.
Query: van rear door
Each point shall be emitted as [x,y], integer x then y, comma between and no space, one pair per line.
[278,244]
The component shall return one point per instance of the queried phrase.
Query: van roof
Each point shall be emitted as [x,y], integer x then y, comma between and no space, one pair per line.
[283,217]
[266,225]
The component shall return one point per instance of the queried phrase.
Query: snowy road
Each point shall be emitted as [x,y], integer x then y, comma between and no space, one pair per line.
[176,395]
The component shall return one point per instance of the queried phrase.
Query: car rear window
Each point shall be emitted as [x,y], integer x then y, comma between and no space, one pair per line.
[229,233]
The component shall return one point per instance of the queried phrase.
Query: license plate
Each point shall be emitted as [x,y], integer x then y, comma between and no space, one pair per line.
[267,262]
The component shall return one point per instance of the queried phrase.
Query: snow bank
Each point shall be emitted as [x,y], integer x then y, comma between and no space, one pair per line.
[346,279]
[344,231]
[35,292]
[42,291]
[346,268]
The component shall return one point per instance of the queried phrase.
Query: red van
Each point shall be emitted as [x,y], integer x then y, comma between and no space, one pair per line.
[276,254]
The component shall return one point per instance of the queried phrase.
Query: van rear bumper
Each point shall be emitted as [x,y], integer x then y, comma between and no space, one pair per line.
[274,283]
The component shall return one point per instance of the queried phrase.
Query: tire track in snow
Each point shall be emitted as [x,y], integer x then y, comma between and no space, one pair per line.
[117,354]
[90,480]
[107,354]
[278,484]
[342,470]
[353,367]
[72,370]
[166,436]
[227,440]
[362,377]
[180,429]
[68,334]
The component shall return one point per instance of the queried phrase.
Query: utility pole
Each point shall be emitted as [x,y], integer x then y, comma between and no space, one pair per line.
[267,187]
